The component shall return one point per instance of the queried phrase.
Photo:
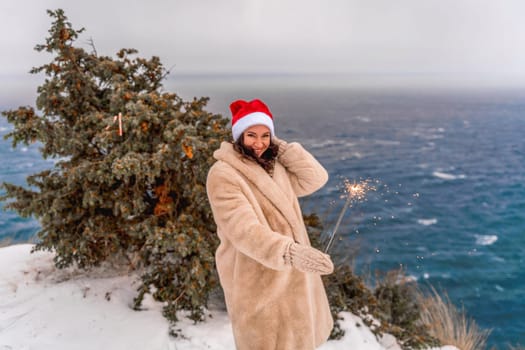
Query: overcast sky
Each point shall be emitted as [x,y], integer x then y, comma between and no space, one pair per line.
[484,39]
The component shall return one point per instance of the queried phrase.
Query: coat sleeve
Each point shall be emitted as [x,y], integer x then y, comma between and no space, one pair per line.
[238,222]
[306,174]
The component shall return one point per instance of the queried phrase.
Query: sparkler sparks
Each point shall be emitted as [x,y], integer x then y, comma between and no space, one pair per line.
[353,192]
[356,191]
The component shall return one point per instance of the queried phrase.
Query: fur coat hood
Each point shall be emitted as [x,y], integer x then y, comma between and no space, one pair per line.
[272,306]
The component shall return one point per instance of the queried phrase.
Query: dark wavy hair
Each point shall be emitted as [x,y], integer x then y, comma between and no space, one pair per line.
[267,159]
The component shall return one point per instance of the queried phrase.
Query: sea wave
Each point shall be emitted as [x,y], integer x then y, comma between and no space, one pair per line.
[356,155]
[429,134]
[410,278]
[486,239]
[324,143]
[447,176]
[363,119]
[329,143]
[387,143]
[427,222]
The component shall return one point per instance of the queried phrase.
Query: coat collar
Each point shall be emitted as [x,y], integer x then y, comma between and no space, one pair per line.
[260,179]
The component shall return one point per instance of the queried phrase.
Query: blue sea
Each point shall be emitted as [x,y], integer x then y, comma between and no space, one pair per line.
[447,167]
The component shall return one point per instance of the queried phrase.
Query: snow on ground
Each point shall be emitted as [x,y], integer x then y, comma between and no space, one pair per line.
[45,308]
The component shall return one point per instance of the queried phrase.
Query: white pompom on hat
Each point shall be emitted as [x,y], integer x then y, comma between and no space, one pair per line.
[249,113]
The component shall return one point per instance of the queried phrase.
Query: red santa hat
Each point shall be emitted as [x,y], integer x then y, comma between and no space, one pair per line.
[249,113]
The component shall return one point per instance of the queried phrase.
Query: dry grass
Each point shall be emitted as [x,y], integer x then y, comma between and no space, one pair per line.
[450,325]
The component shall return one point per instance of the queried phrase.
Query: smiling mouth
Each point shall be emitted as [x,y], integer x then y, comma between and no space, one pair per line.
[258,152]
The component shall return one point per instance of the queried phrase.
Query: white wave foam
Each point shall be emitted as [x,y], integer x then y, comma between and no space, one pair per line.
[427,222]
[363,119]
[387,143]
[447,176]
[351,155]
[409,278]
[325,143]
[486,239]
[498,259]
[429,134]
[430,146]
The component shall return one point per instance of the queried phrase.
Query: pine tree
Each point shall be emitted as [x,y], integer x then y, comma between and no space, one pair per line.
[130,170]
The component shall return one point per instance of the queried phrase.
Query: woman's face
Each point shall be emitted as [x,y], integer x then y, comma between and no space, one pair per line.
[257,138]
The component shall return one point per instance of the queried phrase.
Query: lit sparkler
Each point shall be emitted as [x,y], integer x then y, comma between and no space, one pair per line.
[354,192]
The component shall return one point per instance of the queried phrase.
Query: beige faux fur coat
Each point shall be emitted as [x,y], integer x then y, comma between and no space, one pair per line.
[272,306]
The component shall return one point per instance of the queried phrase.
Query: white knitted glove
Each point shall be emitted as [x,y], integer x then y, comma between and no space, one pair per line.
[308,259]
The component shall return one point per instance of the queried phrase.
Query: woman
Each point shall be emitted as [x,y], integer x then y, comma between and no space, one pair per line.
[269,272]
